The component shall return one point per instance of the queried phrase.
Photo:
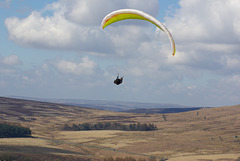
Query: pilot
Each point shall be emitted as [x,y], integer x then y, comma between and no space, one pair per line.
[118,80]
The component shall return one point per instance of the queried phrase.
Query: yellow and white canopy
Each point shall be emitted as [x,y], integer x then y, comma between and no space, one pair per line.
[123,14]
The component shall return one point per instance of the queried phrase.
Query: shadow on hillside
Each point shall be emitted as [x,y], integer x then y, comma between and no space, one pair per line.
[36,150]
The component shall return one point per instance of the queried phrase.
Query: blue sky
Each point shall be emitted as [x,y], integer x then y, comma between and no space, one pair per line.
[57,49]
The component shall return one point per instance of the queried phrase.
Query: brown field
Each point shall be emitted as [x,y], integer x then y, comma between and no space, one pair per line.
[203,135]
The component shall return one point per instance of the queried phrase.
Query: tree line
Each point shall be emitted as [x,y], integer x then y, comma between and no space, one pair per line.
[110,126]
[7,130]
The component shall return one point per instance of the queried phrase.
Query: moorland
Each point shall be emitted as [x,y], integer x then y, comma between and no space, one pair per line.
[207,134]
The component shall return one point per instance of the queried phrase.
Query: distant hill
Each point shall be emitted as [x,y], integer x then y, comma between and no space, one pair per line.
[161,110]
[117,106]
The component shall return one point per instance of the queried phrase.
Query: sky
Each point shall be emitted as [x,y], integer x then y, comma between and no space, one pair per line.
[57,49]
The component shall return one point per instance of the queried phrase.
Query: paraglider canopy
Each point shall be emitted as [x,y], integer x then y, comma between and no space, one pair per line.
[124,14]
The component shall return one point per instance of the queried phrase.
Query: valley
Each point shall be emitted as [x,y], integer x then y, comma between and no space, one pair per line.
[207,134]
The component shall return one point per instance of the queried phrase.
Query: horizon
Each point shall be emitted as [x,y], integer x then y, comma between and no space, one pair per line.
[96,102]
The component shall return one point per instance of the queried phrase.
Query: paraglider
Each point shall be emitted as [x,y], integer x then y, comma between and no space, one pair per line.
[118,80]
[123,14]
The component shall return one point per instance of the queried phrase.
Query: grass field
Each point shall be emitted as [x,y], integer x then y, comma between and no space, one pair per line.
[203,135]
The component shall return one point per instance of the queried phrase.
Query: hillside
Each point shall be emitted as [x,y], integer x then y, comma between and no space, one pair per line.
[206,134]
[161,110]
[117,106]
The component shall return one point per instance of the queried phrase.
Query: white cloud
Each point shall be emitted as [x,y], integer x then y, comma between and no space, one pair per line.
[205,21]
[91,12]
[236,26]
[226,91]
[9,64]
[3,84]
[73,25]
[36,30]
[85,67]
[206,31]
[5,3]
[11,60]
